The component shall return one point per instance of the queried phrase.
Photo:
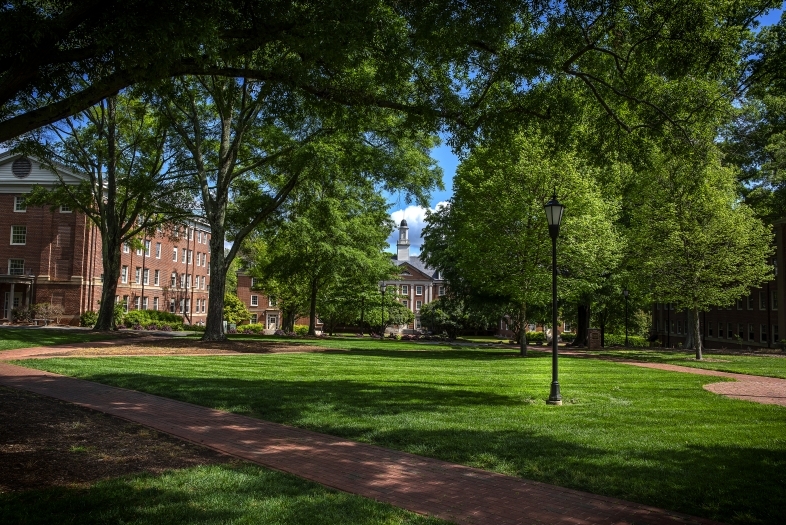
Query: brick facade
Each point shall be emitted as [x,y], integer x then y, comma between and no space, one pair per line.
[262,306]
[54,256]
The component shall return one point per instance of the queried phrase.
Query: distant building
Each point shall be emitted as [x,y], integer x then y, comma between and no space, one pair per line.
[54,256]
[418,284]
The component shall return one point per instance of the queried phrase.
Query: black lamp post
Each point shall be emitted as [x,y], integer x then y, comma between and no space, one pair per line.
[625,293]
[554,217]
[382,290]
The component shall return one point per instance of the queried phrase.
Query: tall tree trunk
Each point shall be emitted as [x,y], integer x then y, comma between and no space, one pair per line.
[110,257]
[582,325]
[690,323]
[602,321]
[697,331]
[523,331]
[214,325]
[312,309]
[362,312]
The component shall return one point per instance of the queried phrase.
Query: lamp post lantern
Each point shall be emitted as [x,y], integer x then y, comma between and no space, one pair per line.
[625,293]
[554,217]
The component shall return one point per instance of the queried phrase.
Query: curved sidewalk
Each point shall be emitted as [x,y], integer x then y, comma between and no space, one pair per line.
[456,493]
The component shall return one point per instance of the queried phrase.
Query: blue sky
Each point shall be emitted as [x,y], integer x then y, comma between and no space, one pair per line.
[448,161]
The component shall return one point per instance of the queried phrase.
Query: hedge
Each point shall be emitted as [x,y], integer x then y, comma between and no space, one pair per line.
[619,340]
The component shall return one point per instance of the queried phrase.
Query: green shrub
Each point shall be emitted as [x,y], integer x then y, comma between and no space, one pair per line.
[88,318]
[301,329]
[568,337]
[194,327]
[148,317]
[254,328]
[633,340]
[536,338]
[23,314]
[118,313]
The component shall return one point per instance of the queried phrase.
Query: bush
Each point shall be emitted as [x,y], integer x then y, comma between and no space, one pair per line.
[194,327]
[619,340]
[23,314]
[88,318]
[147,317]
[253,328]
[117,314]
[568,337]
[536,338]
[301,330]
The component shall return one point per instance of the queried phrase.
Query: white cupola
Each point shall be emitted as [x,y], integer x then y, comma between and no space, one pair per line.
[403,241]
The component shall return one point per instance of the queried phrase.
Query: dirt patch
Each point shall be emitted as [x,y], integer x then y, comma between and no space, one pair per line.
[45,442]
[179,346]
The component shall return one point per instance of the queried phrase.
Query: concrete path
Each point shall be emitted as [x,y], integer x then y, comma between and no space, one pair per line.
[452,492]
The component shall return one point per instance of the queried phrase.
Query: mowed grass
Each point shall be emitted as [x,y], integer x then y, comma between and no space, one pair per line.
[12,338]
[223,494]
[757,365]
[649,436]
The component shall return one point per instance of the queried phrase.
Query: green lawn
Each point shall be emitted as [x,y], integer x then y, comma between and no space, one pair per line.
[646,435]
[207,495]
[12,338]
[771,366]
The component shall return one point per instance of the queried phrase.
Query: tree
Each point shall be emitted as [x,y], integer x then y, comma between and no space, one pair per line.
[235,311]
[131,186]
[492,237]
[694,242]
[333,241]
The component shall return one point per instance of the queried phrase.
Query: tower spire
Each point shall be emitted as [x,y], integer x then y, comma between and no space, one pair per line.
[403,241]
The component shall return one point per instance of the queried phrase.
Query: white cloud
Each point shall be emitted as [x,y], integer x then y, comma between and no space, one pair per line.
[416,220]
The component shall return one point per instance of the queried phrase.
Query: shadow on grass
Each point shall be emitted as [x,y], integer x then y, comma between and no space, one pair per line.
[209,495]
[447,354]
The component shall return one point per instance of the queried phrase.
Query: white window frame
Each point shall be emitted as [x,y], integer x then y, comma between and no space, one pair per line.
[10,270]
[173,280]
[158,250]
[762,300]
[721,327]
[763,333]
[190,256]
[751,333]
[418,289]
[441,290]
[404,289]
[271,301]
[174,254]
[146,277]
[184,254]
[157,278]
[126,247]
[137,274]
[125,303]
[418,305]
[774,300]
[64,208]
[750,301]
[147,248]
[253,318]
[16,233]
[124,275]
[254,300]
[19,205]
[137,303]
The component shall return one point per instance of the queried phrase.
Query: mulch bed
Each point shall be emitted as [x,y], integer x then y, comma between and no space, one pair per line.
[45,443]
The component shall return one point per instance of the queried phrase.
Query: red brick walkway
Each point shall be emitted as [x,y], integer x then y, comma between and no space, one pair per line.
[456,493]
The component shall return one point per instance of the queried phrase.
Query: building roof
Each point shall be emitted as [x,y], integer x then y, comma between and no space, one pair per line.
[419,265]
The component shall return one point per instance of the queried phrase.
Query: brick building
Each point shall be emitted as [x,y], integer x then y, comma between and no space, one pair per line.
[263,307]
[54,255]
[754,320]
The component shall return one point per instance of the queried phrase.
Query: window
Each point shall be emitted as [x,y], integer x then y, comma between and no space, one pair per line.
[188,305]
[156,281]
[739,304]
[158,250]
[18,234]
[741,331]
[763,333]
[126,247]
[65,209]
[147,248]
[136,303]
[271,301]
[171,306]
[184,253]
[709,329]
[139,251]
[405,303]
[19,204]
[190,234]
[729,331]
[190,256]
[144,303]
[155,303]
[125,303]
[774,299]
[146,277]
[750,301]
[137,274]
[720,329]
[174,254]
[751,335]
[124,274]
[253,282]
[174,280]
[775,333]
[253,318]
[182,281]
[441,290]
[182,305]
[198,259]
[199,237]
[254,300]
[208,267]
[679,327]
[418,304]
[404,289]
[418,290]
[16,266]
[762,300]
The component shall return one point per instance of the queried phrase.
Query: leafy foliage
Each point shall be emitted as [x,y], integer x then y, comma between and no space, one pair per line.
[235,310]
